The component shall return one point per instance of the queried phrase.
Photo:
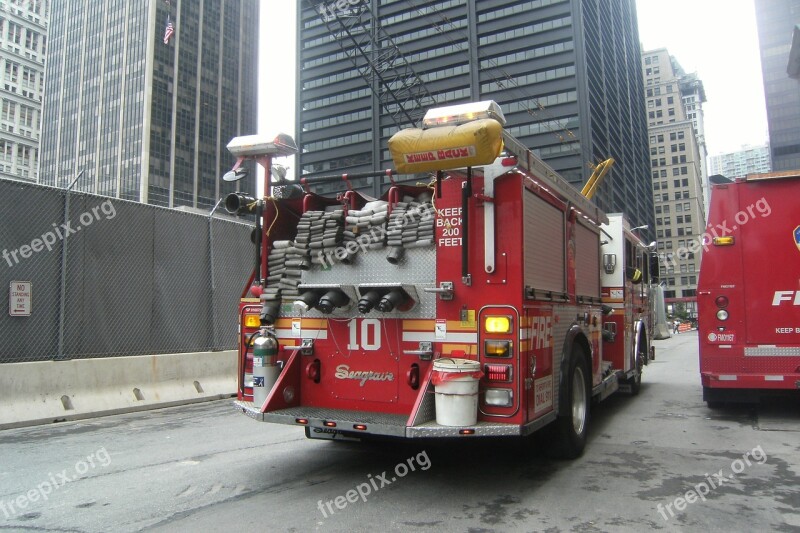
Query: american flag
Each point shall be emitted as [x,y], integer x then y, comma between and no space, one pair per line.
[169,30]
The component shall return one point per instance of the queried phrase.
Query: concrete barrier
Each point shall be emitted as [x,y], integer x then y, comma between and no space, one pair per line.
[54,391]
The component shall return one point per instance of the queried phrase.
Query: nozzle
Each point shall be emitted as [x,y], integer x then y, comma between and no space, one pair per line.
[306,301]
[368,301]
[331,300]
[270,310]
[396,254]
[270,306]
[392,299]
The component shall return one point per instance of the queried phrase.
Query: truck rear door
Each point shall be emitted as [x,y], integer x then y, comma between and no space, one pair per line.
[769,223]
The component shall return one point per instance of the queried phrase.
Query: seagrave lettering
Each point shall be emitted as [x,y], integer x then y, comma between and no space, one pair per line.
[344,372]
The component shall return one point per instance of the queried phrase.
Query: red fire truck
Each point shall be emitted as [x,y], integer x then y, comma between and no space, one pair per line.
[748,295]
[492,270]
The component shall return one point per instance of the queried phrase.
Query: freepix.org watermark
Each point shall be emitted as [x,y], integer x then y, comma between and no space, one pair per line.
[712,482]
[377,234]
[374,484]
[760,208]
[43,490]
[59,232]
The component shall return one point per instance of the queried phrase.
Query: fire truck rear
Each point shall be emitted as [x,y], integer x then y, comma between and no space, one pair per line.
[748,294]
[376,316]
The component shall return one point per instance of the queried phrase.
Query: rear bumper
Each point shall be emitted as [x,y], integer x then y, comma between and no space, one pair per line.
[382,424]
[715,380]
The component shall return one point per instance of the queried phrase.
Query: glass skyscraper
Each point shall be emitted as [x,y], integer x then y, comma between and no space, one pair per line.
[566,74]
[776,21]
[146,120]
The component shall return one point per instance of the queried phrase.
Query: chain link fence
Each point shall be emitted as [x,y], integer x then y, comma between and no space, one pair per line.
[87,276]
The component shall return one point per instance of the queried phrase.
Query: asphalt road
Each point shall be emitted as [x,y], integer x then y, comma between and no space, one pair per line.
[205,467]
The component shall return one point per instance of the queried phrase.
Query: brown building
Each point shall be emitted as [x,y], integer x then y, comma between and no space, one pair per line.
[677,159]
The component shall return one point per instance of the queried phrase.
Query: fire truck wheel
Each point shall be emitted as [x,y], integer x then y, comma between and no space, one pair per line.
[571,425]
[636,381]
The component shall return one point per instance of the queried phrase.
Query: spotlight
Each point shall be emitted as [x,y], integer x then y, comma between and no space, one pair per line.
[239,203]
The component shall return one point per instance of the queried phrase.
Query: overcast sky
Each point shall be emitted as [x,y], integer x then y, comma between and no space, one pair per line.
[718,40]
[715,38]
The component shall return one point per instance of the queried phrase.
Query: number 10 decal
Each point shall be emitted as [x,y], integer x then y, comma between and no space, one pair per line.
[367,324]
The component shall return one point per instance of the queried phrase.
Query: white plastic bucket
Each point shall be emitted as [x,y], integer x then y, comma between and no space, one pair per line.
[456,386]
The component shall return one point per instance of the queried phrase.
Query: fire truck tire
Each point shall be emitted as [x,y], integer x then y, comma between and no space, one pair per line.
[569,438]
[636,380]
[713,399]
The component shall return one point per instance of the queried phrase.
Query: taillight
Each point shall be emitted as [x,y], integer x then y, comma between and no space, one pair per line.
[412,376]
[499,397]
[252,321]
[498,324]
[498,372]
[494,348]
[722,302]
[313,370]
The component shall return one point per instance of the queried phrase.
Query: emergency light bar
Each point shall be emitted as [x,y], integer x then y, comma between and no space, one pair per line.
[462,113]
[280,144]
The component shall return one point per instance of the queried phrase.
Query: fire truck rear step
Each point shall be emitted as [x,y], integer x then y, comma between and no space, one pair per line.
[376,423]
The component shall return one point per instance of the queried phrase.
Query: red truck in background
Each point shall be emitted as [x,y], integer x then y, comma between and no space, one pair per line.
[748,294]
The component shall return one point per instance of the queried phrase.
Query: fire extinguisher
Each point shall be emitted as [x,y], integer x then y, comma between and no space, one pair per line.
[265,365]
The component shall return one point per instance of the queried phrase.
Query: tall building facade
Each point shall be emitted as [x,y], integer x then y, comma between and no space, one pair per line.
[144,119]
[738,164]
[566,74]
[677,159]
[23,47]
[776,20]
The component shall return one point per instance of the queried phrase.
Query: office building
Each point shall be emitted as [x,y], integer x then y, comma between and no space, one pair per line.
[140,119]
[674,102]
[565,73]
[738,164]
[23,46]
[776,21]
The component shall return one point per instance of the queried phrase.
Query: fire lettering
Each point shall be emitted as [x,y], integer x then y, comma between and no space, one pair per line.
[541,332]
[786,296]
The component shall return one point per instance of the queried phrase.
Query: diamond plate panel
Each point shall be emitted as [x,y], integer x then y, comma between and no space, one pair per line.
[427,408]
[417,268]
